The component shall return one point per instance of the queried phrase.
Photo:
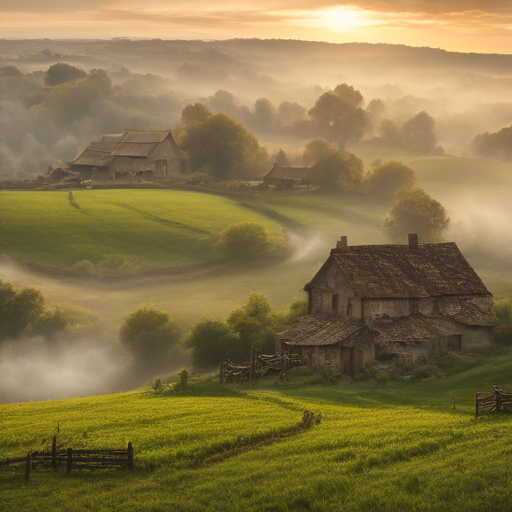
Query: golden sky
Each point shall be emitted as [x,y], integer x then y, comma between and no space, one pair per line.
[456,25]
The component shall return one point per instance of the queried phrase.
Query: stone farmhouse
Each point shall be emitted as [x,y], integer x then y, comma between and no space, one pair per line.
[131,155]
[393,303]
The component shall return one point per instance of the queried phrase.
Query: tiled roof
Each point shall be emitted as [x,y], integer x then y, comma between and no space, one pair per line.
[464,312]
[289,173]
[144,137]
[320,329]
[128,149]
[398,271]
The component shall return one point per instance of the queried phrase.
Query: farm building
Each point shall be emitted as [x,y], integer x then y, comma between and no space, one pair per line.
[135,154]
[391,303]
[286,177]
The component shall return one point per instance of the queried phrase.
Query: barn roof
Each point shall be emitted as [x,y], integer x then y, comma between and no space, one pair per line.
[96,154]
[401,271]
[288,173]
[320,329]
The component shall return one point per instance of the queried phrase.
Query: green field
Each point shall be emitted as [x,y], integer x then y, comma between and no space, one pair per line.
[391,447]
[158,228]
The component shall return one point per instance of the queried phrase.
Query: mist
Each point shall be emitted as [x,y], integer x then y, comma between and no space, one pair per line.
[36,369]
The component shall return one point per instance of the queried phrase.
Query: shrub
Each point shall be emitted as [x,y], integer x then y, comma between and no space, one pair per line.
[244,241]
[428,371]
[83,267]
[182,380]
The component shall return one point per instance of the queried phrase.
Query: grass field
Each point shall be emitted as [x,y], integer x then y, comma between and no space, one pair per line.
[157,228]
[380,447]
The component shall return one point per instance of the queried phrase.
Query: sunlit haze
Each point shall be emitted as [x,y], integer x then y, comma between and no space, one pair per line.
[469,26]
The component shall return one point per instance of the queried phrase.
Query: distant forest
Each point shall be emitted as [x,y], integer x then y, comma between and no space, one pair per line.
[57,96]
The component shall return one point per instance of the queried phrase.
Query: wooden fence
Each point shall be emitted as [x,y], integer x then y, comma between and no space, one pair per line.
[260,365]
[57,457]
[492,401]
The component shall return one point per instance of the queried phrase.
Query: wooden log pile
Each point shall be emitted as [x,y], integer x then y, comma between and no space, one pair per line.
[492,401]
[260,365]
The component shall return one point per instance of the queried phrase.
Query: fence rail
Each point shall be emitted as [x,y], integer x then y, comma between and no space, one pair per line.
[56,457]
[260,365]
[492,401]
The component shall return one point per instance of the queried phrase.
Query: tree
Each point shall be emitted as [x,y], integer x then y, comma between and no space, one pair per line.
[255,324]
[386,179]
[213,341]
[196,113]
[496,145]
[61,73]
[225,146]
[315,150]
[148,334]
[280,157]
[290,113]
[390,133]
[265,115]
[350,95]
[244,241]
[337,120]
[414,211]
[418,133]
[337,172]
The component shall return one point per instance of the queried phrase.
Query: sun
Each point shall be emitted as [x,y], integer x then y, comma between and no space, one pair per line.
[337,19]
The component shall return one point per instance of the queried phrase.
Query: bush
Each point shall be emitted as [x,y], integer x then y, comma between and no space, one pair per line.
[83,267]
[244,241]
[428,371]
[182,380]
[149,334]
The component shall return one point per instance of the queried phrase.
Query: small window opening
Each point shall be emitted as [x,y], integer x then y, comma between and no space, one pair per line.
[335,302]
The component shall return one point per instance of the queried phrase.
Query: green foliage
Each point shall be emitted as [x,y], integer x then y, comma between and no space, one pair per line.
[280,157]
[182,383]
[350,95]
[148,334]
[336,118]
[244,241]
[496,145]
[61,73]
[337,172]
[386,179]
[213,341]
[317,149]
[20,309]
[503,311]
[418,133]
[225,146]
[414,211]
[196,113]
[428,371]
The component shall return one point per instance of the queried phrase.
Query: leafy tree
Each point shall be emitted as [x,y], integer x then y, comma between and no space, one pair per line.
[350,95]
[213,341]
[254,322]
[386,179]
[414,211]
[280,157]
[225,146]
[418,133]
[317,149]
[290,113]
[244,241]
[148,334]
[496,145]
[196,113]
[265,115]
[337,172]
[337,120]
[390,133]
[61,73]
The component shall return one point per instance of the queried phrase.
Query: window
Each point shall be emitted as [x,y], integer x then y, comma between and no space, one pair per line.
[335,302]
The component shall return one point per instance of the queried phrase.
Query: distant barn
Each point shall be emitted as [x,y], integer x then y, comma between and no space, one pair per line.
[286,177]
[132,154]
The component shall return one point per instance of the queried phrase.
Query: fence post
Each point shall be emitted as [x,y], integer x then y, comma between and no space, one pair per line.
[130,456]
[69,462]
[222,373]
[54,452]
[28,465]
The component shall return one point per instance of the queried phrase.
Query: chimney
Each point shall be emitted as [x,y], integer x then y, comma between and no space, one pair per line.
[413,240]
[342,243]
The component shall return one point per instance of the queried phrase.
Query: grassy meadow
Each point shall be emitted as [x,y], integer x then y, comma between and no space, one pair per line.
[397,446]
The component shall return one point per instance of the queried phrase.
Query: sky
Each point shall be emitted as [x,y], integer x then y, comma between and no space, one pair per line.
[455,25]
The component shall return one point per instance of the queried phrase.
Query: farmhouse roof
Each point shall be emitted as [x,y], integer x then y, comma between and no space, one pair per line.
[403,271]
[288,173]
[320,329]
[96,154]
